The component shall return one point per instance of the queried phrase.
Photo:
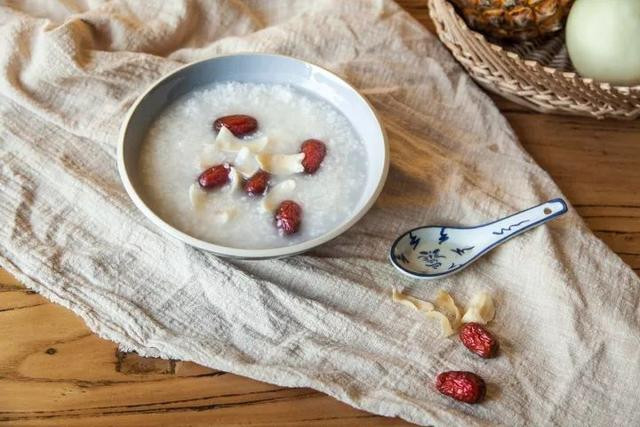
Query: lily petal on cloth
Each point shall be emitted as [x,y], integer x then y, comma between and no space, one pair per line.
[567,307]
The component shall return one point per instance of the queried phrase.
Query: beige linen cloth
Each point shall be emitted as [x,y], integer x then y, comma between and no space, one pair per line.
[567,307]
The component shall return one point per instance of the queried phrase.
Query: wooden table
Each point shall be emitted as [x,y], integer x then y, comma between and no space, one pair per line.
[54,371]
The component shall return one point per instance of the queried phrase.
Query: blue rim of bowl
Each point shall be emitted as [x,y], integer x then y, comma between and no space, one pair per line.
[427,276]
[238,253]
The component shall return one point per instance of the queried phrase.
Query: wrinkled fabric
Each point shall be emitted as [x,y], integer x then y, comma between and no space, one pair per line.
[567,307]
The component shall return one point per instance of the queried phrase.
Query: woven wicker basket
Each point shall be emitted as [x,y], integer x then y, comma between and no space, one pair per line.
[537,75]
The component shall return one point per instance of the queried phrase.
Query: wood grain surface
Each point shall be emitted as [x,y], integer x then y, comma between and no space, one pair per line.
[54,371]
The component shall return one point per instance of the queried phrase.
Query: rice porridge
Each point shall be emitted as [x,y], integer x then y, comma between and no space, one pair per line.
[207,179]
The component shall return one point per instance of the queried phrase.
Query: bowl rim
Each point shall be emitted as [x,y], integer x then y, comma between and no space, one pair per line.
[239,253]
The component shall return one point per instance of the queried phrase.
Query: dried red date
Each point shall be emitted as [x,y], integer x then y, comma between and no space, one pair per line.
[257,184]
[478,340]
[461,385]
[314,153]
[215,176]
[288,217]
[238,124]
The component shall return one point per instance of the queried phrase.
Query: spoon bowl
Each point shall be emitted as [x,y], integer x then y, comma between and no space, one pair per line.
[435,251]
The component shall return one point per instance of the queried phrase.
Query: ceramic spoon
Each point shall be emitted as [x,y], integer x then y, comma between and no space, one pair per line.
[433,252]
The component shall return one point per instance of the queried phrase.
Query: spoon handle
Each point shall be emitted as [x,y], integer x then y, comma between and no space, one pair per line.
[518,223]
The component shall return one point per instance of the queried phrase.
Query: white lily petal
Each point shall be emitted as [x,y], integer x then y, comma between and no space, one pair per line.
[445,304]
[226,141]
[481,309]
[197,196]
[246,163]
[210,156]
[411,302]
[278,194]
[223,216]
[472,316]
[445,325]
[281,164]
[235,180]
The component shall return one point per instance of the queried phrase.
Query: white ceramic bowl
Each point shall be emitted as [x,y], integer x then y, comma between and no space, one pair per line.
[255,68]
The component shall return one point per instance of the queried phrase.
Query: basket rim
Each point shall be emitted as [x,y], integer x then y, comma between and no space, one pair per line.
[568,75]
